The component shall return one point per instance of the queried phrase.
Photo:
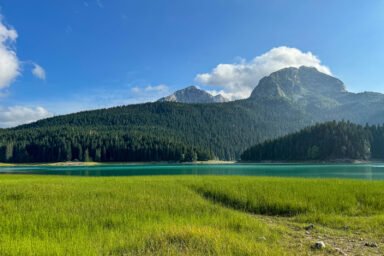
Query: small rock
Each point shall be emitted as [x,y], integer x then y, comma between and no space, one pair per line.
[325,235]
[310,226]
[346,228]
[373,244]
[319,245]
[307,233]
[319,237]
[361,239]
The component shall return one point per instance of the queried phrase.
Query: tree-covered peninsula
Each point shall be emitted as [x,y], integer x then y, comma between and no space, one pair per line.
[327,141]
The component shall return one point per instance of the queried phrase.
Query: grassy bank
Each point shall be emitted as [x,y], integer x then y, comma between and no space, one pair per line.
[188,215]
[50,164]
[71,163]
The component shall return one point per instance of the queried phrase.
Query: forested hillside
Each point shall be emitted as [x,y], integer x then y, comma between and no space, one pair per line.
[328,141]
[68,144]
[225,129]
[284,102]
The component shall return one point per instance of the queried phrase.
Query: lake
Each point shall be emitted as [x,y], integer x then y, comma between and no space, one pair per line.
[354,171]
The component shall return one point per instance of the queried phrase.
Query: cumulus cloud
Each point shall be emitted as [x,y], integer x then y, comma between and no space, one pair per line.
[38,71]
[9,63]
[16,115]
[9,70]
[237,80]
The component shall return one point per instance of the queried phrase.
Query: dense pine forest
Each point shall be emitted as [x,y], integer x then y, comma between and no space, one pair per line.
[328,141]
[223,129]
[68,144]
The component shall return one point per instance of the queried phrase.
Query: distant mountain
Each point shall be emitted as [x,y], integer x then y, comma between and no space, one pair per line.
[321,96]
[192,94]
[283,102]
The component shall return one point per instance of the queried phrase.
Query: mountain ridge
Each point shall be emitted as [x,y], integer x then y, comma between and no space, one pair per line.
[192,94]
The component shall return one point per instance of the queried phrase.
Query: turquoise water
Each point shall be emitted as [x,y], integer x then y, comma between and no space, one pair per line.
[355,171]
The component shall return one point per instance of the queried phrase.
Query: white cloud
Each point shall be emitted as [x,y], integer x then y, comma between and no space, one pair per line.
[151,89]
[136,90]
[9,63]
[149,93]
[221,92]
[9,70]
[237,80]
[38,71]
[13,116]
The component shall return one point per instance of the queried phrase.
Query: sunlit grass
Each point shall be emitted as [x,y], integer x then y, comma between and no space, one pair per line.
[187,215]
[5,164]
[333,202]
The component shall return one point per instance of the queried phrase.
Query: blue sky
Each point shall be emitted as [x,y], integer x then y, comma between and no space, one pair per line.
[99,53]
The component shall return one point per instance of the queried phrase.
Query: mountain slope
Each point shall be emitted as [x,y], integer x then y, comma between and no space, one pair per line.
[286,101]
[192,94]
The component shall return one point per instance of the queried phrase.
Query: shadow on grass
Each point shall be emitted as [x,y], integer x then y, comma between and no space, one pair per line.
[261,207]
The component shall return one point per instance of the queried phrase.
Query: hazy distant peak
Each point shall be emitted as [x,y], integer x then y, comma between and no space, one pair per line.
[192,94]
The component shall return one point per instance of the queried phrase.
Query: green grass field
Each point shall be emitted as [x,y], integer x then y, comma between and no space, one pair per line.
[188,215]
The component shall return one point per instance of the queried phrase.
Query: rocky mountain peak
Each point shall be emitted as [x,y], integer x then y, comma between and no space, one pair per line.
[296,83]
[192,94]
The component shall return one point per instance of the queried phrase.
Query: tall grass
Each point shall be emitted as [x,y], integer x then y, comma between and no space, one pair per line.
[52,215]
[43,215]
[333,202]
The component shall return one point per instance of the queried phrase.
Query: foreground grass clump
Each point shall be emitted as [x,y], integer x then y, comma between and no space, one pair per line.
[179,215]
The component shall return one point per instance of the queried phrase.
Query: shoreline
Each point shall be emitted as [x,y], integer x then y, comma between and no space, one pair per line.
[335,161]
[72,163]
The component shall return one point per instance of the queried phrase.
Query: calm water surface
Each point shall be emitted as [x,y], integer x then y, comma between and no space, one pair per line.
[355,171]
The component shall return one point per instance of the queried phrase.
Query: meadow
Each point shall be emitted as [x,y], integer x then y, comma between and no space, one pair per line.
[189,215]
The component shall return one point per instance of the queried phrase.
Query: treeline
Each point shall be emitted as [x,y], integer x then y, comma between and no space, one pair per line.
[327,141]
[71,144]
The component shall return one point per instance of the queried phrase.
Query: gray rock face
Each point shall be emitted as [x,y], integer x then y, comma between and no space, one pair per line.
[296,83]
[192,94]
